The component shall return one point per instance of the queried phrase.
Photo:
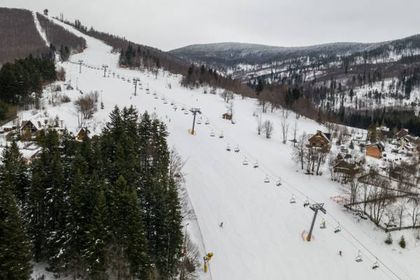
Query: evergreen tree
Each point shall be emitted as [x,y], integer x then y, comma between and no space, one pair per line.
[14,173]
[15,250]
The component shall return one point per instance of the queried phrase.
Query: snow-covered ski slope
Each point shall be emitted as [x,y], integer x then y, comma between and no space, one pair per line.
[262,231]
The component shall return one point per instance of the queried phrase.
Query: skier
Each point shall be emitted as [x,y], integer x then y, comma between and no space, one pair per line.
[221,225]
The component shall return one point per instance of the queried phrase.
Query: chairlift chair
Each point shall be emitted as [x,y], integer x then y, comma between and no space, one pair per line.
[207,122]
[359,257]
[236,149]
[375,265]
[323,225]
[221,135]
[256,164]
[306,203]
[292,200]
[212,134]
[228,148]
[337,229]
[245,162]
[267,179]
[278,183]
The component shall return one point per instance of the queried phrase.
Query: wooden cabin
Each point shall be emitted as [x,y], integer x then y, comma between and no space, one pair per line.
[375,150]
[29,129]
[227,116]
[82,134]
[320,141]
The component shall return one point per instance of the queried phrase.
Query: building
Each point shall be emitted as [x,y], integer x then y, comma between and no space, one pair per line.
[320,141]
[82,134]
[29,129]
[375,150]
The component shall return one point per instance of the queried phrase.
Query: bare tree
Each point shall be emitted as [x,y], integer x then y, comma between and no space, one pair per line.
[227,95]
[259,124]
[415,209]
[299,150]
[284,124]
[294,133]
[268,129]
[86,106]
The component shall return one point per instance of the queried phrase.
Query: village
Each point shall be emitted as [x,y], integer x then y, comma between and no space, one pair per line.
[378,169]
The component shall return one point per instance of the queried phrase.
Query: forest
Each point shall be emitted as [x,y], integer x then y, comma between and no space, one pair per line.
[19,80]
[105,208]
[19,36]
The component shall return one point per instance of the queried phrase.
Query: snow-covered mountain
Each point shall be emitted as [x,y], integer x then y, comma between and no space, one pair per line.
[230,53]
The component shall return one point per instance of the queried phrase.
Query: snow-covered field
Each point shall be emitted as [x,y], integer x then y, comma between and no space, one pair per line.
[262,233]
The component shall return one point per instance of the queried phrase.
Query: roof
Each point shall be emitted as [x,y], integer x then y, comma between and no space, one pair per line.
[319,135]
[379,145]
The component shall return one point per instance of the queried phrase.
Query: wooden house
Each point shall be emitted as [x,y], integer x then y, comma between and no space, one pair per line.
[227,116]
[29,129]
[375,150]
[320,141]
[346,170]
[82,134]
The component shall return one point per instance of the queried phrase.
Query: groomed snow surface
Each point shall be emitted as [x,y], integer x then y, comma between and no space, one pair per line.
[262,231]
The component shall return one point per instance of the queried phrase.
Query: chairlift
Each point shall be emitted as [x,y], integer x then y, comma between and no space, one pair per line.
[228,148]
[337,229]
[292,199]
[221,135]
[306,203]
[359,257]
[267,179]
[212,134]
[375,265]
[278,183]
[245,162]
[185,112]
[236,149]
[323,225]
[207,122]
[256,164]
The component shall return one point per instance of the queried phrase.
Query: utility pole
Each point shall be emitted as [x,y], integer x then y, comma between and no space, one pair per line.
[194,111]
[315,207]
[104,67]
[80,66]
[135,80]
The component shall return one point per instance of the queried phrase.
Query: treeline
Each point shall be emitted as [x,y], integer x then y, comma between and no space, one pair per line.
[393,119]
[106,208]
[20,79]
[62,40]
[201,75]
[19,36]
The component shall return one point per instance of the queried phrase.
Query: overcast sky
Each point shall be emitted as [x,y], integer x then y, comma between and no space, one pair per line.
[169,24]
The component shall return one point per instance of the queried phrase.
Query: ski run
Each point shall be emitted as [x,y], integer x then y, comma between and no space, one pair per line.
[237,208]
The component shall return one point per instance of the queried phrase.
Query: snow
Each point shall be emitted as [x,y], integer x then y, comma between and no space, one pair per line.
[262,233]
[40,29]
